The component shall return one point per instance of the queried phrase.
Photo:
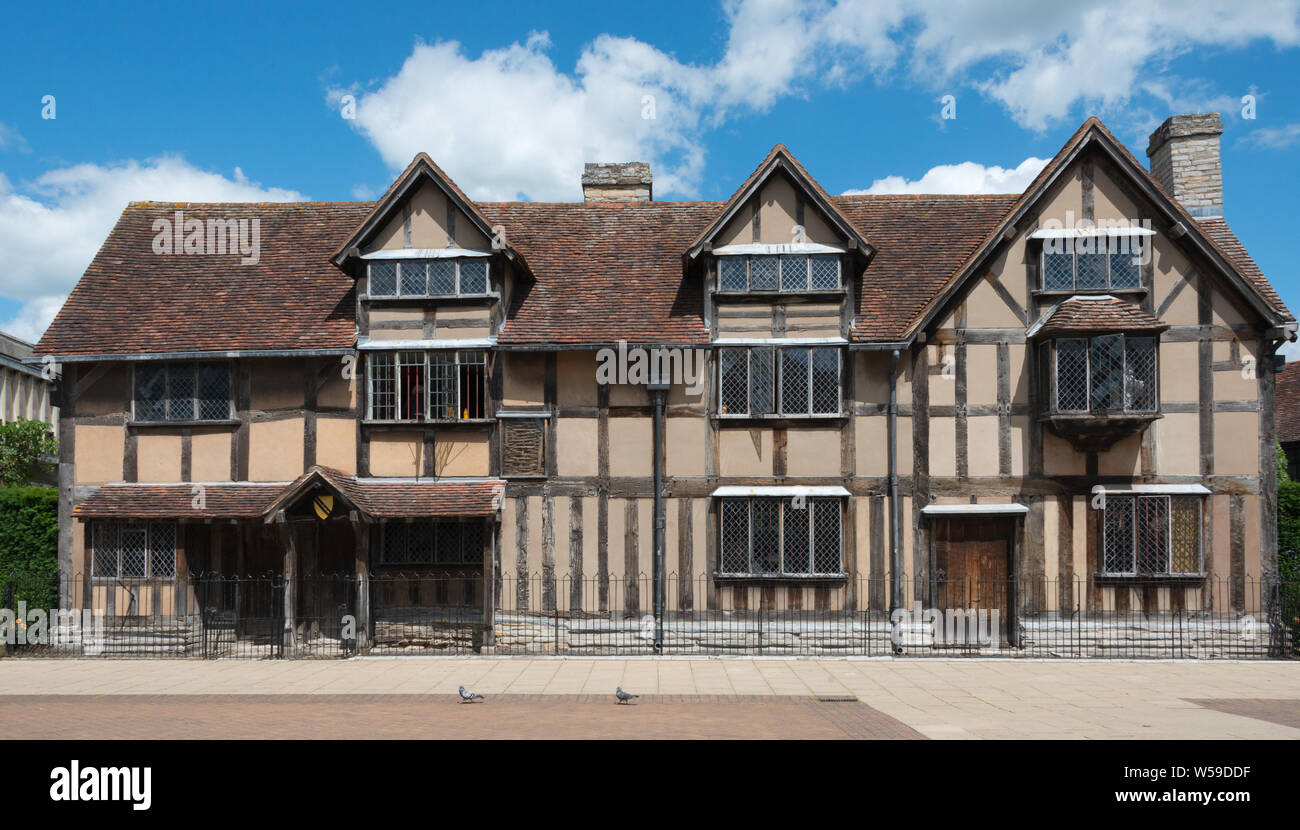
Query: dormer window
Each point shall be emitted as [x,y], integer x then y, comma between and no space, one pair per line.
[440,277]
[1093,262]
[779,272]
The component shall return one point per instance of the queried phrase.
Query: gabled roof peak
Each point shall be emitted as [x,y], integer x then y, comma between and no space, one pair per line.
[780,158]
[422,168]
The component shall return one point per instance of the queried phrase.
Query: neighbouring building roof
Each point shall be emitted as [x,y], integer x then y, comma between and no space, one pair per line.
[374,498]
[595,272]
[12,353]
[1287,403]
[1095,313]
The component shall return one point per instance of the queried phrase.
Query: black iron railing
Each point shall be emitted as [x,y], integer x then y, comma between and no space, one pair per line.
[340,615]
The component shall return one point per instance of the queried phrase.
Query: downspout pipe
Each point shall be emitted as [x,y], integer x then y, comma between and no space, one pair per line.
[895,528]
[658,391]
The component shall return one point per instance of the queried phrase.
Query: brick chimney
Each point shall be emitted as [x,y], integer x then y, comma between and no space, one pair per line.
[627,181]
[1184,153]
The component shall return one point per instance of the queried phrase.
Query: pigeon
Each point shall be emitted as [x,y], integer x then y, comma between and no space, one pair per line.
[467,696]
[624,697]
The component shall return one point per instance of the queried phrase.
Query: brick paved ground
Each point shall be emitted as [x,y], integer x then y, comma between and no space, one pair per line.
[936,698]
[1284,712]
[440,716]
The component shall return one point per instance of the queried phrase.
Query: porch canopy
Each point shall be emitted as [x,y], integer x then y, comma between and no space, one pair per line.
[374,499]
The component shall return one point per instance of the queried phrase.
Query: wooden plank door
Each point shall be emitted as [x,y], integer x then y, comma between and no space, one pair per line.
[973,565]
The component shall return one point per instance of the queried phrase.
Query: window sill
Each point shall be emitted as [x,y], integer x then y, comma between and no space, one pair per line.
[720,294]
[424,298]
[779,420]
[1070,292]
[409,424]
[801,578]
[1104,415]
[134,580]
[442,566]
[228,422]
[1157,578]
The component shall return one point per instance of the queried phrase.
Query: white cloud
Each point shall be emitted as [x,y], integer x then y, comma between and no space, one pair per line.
[509,123]
[966,177]
[1272,138]
[11,139]
[51,227]
[1042,61]
[33,318]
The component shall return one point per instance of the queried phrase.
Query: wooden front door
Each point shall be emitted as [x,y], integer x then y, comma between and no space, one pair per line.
[972,566]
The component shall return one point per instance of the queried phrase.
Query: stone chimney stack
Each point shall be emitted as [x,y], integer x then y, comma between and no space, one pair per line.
[627,181]
[1184,153]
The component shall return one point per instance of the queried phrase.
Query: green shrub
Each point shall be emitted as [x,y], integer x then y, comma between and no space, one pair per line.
[27,450]
[29,546]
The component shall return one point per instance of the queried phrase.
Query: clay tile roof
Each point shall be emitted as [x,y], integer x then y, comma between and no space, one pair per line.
[1288,403]
[1096,314]
[604,271]
[1222,236]
[162,501]
[133,301]
[377,499]
[919,240]
[594,273]
[405,499]
[399,499]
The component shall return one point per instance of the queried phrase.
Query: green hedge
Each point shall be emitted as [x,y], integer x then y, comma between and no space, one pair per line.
[1288,529]
[29,546]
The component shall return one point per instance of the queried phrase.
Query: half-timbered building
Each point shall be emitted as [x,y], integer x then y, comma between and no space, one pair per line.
[1050,404]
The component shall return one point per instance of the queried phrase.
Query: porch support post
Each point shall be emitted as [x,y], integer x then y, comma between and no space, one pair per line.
[289,571]
[361,535]
[489,587]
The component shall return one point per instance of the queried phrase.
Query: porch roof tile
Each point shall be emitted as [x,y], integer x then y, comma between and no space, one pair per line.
[170,501]
[1093,313]
[375,498]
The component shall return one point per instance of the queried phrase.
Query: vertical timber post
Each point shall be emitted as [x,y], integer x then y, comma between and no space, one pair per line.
[658,391]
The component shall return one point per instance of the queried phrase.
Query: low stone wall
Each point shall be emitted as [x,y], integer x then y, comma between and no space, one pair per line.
[1195,635]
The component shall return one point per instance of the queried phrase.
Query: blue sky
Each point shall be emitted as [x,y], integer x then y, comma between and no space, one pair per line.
[238,102]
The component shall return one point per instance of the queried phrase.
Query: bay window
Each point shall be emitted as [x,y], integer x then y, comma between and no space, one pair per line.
[1105,373]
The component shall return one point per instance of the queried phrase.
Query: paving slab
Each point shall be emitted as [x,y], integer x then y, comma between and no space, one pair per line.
[935,698]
